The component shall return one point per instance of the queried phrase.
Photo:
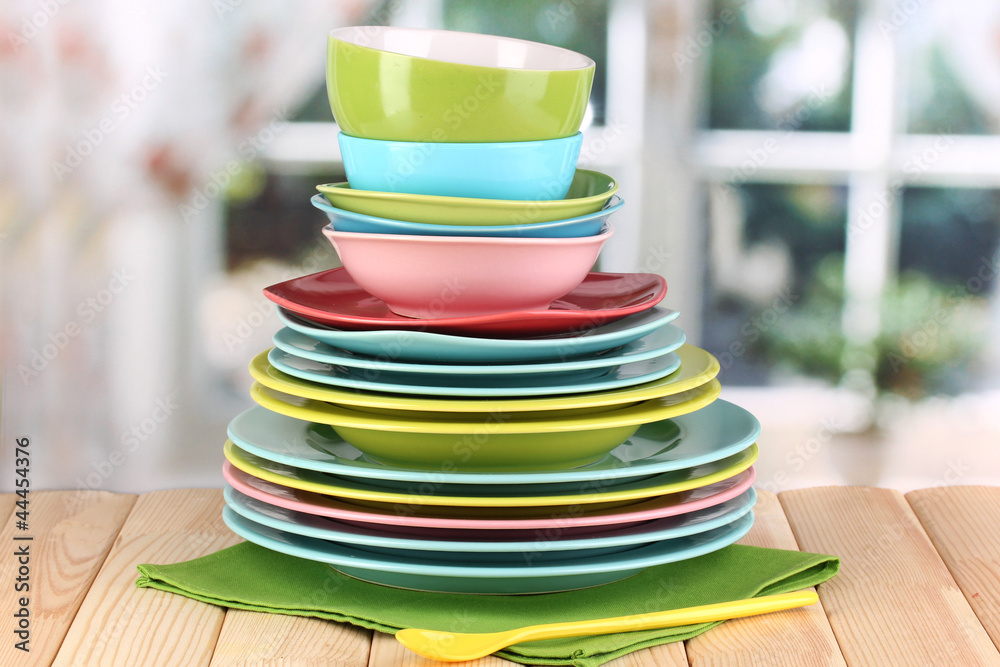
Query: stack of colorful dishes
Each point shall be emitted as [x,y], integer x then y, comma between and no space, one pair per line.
[465,406]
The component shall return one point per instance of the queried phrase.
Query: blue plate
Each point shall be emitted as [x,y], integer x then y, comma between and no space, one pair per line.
[517,576]
[521,384]
[424,346]
[652,345]
[584,225]
[715,432]
[542,547]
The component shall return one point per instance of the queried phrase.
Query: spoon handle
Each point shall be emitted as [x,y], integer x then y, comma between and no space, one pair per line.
[665,619]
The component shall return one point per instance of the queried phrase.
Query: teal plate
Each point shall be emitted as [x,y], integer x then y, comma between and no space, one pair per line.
[522,384]
[655,344]
[544,546]
[425,346]
[515,577]
[714,432]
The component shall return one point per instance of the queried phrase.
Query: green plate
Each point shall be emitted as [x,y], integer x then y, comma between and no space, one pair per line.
[588,193]
[490,441]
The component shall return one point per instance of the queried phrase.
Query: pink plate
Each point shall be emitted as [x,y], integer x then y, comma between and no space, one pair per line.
[562,518]
[334,299]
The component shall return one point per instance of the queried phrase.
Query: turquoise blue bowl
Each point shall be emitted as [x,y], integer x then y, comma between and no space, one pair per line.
[584,225]
[519,170]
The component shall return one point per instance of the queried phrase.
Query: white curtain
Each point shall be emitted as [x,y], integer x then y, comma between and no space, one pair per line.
[120,124]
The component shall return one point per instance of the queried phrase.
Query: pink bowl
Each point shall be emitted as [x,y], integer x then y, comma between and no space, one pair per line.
[460,276]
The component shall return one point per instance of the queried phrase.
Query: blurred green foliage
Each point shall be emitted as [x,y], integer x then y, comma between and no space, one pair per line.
[931,333]
[741,57]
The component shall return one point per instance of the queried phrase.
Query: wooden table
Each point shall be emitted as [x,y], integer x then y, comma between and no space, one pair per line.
[920,585]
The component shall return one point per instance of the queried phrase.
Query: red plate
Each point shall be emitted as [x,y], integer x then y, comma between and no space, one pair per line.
[334,299]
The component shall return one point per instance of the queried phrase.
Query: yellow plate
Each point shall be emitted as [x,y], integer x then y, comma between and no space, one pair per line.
[697,368]
[664,483]
[495,421]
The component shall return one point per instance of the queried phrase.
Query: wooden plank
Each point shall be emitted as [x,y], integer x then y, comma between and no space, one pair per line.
[6,505]
[894,601]
[255,638]
[664,655]
[119,624]
[792,637]
[70,535]
[963,522]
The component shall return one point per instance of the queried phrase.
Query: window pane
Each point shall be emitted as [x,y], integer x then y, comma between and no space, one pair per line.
[578,26]
[774,281]
[951,56]
[770,58]
[273,219]
[936,317]
[316,109]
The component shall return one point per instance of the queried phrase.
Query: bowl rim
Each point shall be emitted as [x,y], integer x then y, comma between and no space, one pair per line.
[344,187]
[576,137]
[367,32]
[492,241]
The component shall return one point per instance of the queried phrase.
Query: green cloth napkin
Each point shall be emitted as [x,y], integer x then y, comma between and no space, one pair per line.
[247,576]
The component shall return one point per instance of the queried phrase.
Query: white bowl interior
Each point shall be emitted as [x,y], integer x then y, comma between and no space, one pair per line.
[464,48]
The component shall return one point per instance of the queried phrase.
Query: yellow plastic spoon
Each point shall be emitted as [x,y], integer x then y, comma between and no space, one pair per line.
[460,646]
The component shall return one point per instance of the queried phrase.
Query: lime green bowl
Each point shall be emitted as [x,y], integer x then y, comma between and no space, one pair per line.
[588,193]
[490,441]
[407,84]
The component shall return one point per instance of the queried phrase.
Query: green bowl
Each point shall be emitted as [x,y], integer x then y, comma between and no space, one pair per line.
[588,193]
[406,84]
[483,442]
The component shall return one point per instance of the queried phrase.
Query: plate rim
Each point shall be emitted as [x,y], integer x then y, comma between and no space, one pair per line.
[362,514]
[702,366]
[649,488]
[657,283]
[568,544]
[651,555]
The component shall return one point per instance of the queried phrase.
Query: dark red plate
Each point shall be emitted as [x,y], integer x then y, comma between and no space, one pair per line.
[332,298]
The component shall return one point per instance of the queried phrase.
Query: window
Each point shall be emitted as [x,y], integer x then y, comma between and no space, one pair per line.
[849,153]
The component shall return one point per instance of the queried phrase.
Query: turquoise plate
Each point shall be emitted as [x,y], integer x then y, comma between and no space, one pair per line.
[425,346]
[544,545]
[514,577]
[520,384]
[659,342]
[714,432]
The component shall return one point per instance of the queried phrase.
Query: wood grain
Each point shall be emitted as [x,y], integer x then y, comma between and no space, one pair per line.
[793,637]
[894,601]
[253,638]
[664,655]
[119,624]
[71,534]
[963,522]
[6,505]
